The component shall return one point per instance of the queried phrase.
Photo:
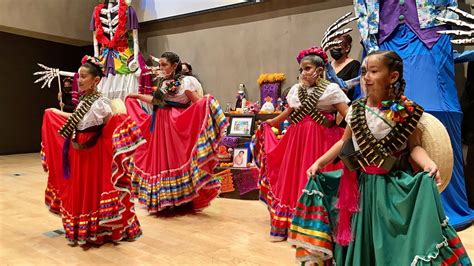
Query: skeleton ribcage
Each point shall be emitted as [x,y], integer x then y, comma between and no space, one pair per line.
[109,20]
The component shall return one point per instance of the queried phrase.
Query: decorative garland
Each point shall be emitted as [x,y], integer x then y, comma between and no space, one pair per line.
[69,128]
[119,41]
[270,78]
[309,103]
[379,152]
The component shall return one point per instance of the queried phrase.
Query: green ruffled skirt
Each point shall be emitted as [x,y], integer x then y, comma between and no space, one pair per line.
[400,222]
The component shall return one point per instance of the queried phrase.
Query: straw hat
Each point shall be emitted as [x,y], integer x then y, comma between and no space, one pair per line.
[435,140]
[118,107]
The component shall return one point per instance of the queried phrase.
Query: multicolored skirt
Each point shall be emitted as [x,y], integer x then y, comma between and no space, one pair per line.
[401,222]
[91,188]
[175,166]
[284,164]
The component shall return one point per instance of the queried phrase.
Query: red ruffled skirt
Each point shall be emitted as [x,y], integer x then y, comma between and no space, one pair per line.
[94,199]
[284,164]
[175,165]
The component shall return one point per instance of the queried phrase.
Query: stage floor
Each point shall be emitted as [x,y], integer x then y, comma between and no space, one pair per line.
[229,232]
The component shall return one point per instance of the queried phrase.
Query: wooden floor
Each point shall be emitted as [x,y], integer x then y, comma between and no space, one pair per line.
[230,232]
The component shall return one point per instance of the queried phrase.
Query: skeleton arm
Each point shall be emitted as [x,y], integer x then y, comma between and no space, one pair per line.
[49,73]
[96,45]
[47,76]
[465,25]
[333,32]
[136,49]
[329,41]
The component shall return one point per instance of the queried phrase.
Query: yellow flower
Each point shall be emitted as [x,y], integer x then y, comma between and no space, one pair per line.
[270,77]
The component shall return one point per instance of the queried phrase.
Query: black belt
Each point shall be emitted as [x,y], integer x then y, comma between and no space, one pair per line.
[90,142]
[354,160]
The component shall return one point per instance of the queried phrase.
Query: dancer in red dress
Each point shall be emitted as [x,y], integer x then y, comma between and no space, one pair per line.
[312,107]
[175,166]
[87,155]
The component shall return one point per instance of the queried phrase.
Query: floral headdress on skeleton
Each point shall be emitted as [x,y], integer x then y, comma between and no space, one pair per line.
[315,50]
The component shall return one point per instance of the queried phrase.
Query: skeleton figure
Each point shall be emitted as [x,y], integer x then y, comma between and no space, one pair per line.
[115,36]
[329,41]
[333,32]
[465,23]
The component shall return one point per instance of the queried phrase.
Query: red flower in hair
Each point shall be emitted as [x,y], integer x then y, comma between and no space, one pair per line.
[93,60]
[313,50]
[84,59]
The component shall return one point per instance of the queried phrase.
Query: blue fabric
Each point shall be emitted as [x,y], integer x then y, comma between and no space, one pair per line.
[332,77]
[466,56]
[454,197]
[429,74]
[426,71]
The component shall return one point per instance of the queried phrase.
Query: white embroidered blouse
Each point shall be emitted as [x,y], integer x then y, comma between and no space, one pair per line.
[100,109]
[189,83]
[332,95]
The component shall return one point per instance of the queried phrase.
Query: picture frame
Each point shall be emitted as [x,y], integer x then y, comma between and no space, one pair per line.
[241,126]
[240,157]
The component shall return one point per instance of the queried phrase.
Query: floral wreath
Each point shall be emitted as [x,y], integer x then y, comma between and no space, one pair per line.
[93,60]
[313,50]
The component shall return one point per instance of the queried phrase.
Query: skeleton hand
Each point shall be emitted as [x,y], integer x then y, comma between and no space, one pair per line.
[47,75]
[466,26]
[332,33]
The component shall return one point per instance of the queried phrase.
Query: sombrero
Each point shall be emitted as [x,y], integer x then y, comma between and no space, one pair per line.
[118,107]
[435,140]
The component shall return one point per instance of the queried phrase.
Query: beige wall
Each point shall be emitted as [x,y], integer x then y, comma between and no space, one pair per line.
[65,21]
[225,53]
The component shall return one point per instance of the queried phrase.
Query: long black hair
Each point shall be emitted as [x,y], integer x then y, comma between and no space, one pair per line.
[174,59]
[93,69]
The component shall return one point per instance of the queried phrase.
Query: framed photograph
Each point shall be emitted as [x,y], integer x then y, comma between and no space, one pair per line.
[240,157]
[241,126]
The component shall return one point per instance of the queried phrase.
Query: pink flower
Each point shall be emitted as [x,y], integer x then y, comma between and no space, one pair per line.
[313,50]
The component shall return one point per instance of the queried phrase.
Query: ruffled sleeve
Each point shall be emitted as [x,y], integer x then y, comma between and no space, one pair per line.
[331,96]
[292,97]
[100,110]
[190,83]
[132,19]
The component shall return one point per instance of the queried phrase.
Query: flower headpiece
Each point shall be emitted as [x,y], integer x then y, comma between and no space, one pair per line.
[93,60]
[313,50]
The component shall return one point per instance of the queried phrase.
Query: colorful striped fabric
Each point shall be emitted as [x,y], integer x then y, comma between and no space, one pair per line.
[43,159]
[280,215]
[52,200]
[312,224]
[177,186]
[109,221]
[450,252]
